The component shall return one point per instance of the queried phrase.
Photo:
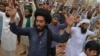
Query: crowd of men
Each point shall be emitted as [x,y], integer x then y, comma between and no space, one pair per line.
[40,29]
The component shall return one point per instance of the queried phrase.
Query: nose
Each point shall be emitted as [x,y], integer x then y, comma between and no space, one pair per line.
[38,23]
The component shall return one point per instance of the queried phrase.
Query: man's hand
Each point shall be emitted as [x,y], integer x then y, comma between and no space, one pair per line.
[12,14]
[70,21]
[64,1]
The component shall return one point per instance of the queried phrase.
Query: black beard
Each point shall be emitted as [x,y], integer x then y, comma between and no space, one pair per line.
[7,15]
[88,17]
[83,31]
[28,16]
[38,30]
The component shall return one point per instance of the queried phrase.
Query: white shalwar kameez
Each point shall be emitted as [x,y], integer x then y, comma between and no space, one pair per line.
[8,39]
[75,44]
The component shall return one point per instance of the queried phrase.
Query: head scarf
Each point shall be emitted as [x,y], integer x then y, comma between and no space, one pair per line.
[29,8]
[83,21]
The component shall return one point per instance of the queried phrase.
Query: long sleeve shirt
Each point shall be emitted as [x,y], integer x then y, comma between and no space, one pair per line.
[37,44]
[8,39]
[57,29]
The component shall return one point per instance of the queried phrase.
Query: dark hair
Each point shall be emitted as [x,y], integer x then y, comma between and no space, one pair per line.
[92,45]
[44,13]
[73,9]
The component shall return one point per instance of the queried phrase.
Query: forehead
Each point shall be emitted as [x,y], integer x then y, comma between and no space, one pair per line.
[39,18]
[93,50]
[85,23]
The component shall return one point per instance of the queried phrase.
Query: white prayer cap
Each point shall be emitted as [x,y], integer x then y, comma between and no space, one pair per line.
[83,21]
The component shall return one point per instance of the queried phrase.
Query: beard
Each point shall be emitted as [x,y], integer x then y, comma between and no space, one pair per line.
[27,16]
[89,17]
[39,28]
[7,15]
[83,31]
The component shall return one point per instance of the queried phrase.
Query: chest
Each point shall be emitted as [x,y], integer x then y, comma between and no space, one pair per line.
[78,35]
[6,23]
[36,40]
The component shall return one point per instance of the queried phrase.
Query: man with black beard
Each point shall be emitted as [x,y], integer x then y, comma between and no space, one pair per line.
[83,30]
[27,22]
[89,15]
[78,37]
[8,39]
[53,26]
[40,36]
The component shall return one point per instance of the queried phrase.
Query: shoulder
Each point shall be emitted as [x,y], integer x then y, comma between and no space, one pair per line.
[2,13]
[75,28]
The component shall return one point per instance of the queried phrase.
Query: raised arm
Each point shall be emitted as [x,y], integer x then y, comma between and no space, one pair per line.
[66,34]
[94,33]
[18,30]
[13,27]
[61,38]
[60,6]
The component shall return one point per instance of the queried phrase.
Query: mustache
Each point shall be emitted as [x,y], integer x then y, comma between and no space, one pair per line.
[38,26]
